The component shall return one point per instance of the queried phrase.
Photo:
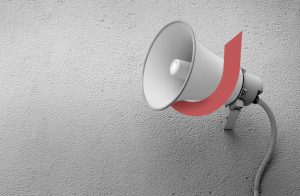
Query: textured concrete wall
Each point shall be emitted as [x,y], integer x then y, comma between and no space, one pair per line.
[73,120]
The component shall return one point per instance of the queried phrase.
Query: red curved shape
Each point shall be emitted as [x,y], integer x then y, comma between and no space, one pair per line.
[231,70]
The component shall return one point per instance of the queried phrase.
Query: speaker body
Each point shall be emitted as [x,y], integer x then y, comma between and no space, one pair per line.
[177,41]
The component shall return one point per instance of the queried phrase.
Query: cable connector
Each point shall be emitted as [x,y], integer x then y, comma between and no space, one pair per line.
[256,100]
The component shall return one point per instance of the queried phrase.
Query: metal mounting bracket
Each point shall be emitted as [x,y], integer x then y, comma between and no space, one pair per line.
[232,113]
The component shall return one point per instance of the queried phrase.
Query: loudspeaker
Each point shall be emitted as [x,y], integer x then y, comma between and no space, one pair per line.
[176,68]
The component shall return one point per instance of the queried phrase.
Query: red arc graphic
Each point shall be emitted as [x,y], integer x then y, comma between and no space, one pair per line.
[231,70]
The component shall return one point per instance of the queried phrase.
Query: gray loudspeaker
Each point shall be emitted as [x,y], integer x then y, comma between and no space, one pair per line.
[177,68]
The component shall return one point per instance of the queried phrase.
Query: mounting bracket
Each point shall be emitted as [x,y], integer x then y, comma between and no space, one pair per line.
[232,113]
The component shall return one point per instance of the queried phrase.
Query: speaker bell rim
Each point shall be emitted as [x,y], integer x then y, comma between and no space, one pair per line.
[191,68]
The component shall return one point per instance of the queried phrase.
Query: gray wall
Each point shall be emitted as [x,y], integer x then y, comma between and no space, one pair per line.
[73,120]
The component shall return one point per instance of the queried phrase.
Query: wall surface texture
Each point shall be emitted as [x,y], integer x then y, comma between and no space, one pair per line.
[73,119]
